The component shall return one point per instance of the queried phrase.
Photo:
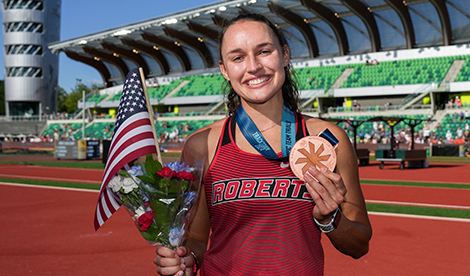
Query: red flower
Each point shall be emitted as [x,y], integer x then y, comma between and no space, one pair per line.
[186,176]
[146,220]
[167,173]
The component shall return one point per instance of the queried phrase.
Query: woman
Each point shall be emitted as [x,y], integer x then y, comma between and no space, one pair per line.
[258,227]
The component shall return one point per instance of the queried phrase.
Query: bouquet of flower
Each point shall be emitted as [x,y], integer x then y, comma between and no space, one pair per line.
[159,198]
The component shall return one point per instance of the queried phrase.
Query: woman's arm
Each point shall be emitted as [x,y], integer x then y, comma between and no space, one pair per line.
[341,189]
[199,146]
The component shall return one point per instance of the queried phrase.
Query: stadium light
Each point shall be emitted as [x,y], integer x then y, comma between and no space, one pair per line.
[171,21]
[82,42]
[122,32]
[222,8]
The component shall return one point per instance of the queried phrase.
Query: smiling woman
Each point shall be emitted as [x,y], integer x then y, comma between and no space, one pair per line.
[262,218]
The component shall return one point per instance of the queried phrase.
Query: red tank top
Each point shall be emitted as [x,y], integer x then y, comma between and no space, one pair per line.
[260,213]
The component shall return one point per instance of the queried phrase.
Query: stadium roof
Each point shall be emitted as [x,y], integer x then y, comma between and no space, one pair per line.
[187,40]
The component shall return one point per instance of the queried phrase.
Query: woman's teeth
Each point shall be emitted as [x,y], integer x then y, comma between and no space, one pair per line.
[257,81]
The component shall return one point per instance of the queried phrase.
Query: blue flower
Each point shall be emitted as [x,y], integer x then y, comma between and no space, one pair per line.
[177,167]
[136,170]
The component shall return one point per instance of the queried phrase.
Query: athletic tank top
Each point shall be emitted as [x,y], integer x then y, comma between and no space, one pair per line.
[260,213]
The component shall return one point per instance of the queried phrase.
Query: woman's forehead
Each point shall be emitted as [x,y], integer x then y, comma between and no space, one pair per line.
[245,31]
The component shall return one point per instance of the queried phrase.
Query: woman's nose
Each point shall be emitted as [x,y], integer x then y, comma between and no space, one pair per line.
[254,64]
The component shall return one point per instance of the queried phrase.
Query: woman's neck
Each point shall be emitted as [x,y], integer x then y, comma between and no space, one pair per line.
[265,114]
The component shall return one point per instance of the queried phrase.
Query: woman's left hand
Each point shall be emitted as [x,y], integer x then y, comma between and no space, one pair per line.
[327,190]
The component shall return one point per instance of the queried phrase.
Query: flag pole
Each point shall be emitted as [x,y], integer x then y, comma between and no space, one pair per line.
[151,115]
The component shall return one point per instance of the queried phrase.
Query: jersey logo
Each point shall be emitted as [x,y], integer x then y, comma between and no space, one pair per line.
[284,165]
[259,188]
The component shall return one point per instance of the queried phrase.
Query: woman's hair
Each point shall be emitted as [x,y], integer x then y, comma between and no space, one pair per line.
[290,91]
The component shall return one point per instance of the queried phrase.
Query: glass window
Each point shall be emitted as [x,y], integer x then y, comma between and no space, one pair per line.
[391,30]
[23,4]
[358,36]
[297,43]
[426,23]
[459,14]
[326,39]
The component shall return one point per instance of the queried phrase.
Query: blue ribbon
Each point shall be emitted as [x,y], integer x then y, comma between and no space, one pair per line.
[329,137]
[256,139]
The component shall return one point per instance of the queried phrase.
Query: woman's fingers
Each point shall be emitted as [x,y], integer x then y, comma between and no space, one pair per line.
[167,261]
[326,188]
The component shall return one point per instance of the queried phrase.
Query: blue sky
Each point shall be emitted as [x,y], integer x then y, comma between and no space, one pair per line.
[82,17]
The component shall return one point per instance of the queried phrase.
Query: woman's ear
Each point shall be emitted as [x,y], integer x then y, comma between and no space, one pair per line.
[286,55]
[223,71]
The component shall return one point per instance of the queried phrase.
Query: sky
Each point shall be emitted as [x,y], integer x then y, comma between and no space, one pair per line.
[84,17]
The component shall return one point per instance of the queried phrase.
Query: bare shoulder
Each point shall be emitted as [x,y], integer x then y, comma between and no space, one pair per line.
[316,126]
[202,142]
[205,134]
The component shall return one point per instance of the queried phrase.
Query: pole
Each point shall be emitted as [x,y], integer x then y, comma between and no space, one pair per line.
[151,115]
[83,115]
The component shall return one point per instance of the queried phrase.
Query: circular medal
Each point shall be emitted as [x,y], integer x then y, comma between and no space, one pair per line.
[311,151]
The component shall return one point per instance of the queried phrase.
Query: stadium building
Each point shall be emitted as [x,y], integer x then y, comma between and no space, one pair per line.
[31,70]
[353,58]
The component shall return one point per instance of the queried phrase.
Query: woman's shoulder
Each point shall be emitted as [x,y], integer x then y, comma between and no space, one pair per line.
[316,126]
[206,135]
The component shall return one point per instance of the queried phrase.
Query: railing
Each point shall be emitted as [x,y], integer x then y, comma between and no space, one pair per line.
[21,118]
[375,108]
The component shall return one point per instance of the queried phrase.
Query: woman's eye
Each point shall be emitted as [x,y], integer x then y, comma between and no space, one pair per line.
[265,52]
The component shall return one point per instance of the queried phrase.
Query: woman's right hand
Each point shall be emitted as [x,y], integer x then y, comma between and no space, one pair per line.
[176,263]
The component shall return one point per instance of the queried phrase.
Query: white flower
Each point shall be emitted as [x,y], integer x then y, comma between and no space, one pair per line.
[128,185]
[115,183]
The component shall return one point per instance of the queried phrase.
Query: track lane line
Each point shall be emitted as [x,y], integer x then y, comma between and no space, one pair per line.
[418,204]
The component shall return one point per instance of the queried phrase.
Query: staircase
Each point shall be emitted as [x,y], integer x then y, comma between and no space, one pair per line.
[438,116]
[453,71]
[337,84]
[174,91]
[342,78]
[414,97]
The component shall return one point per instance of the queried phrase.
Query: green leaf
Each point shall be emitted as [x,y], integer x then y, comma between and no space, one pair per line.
[147,179]
[162,216]
[123,173]
[152,165]
[151,234]
[174,186]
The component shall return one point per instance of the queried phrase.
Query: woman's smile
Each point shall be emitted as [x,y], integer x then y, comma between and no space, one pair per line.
[257,81]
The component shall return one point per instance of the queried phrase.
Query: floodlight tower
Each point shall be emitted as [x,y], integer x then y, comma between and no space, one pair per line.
[31,70]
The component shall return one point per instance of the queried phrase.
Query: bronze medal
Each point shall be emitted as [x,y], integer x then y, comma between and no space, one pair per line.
[311,151]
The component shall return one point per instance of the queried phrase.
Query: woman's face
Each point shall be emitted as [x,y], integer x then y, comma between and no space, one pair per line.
[253,61]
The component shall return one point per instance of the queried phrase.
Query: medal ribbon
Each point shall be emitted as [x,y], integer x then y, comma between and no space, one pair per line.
[329,137]
[256,139]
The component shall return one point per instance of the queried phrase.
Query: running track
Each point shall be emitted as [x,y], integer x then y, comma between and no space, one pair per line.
[50,231]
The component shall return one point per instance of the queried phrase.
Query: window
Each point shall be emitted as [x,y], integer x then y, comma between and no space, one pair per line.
[31,72]
[23,5]
[23,50]
[30,27]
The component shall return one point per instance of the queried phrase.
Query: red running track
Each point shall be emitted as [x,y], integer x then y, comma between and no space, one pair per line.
[444,173]
[91,176]
[50,232]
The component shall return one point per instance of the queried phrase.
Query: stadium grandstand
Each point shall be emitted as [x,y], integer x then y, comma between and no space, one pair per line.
[354,59]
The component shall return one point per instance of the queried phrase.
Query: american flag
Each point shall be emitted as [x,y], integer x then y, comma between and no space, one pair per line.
[132,138]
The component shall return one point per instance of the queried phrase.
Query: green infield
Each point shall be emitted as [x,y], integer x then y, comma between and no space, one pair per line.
[416,184]
[417,210]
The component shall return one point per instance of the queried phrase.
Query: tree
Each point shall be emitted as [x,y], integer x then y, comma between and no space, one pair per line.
[61,98]
[70,100]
